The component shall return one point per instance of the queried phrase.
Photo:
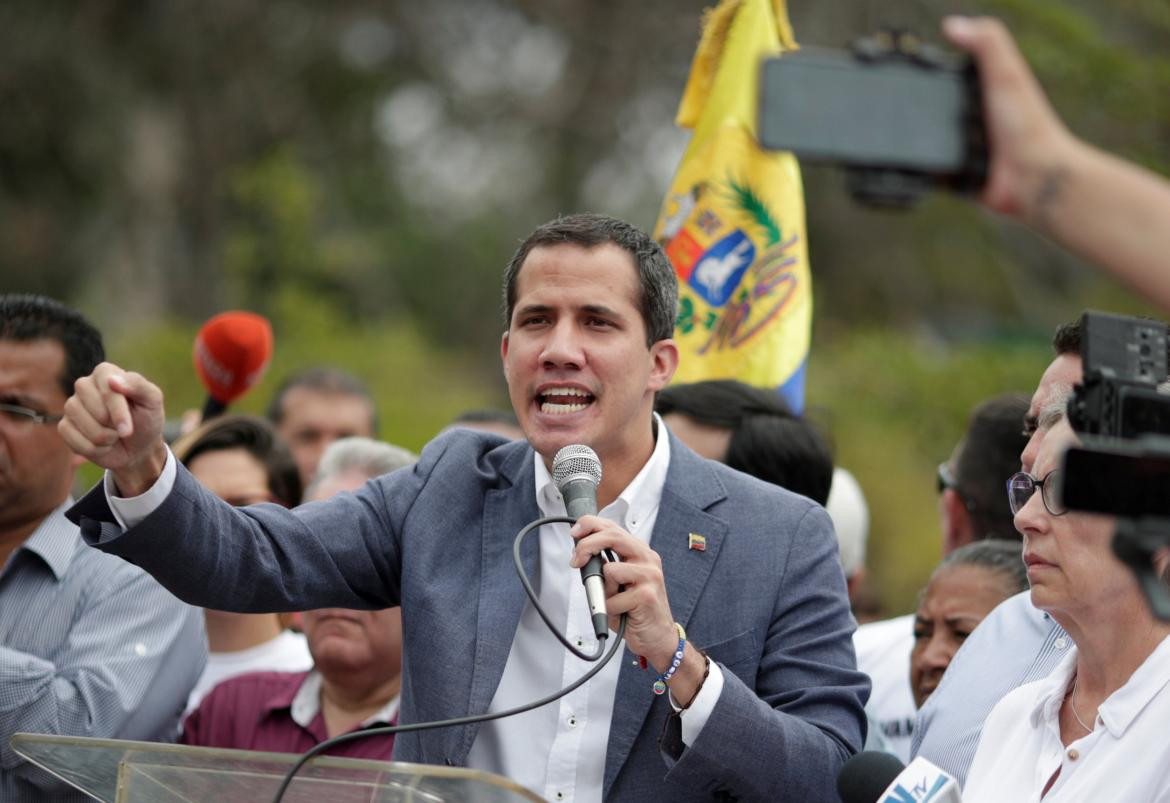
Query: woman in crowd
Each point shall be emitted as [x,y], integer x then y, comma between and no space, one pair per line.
[964,588]
[1095,728]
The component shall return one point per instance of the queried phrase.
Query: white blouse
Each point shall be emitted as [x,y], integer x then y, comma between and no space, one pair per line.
[1125,758]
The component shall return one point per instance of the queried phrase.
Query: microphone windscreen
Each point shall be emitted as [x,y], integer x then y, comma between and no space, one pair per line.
[232,351]
[576,462]
[865,776]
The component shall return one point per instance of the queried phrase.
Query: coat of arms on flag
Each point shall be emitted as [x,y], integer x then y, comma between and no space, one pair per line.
[733,219]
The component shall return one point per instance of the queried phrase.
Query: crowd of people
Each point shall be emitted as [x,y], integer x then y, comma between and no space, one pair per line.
[269,584]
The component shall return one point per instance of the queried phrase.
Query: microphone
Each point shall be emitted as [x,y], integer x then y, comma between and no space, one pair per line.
[577,473]
[872,776]
[232,351]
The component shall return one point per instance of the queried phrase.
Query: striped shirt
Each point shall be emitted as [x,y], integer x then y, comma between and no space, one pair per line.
[89,646]
[1014,645]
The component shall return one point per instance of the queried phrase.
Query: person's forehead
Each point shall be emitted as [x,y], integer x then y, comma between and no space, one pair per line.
[236,462]
[953,586]
[349,480]
[605,268]
[302,401]
[1062,373]
[1052,447]
[31,370]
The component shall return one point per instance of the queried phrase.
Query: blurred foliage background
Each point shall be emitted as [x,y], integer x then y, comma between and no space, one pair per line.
[361,171]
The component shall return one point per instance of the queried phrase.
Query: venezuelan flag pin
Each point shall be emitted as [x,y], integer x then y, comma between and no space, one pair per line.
[696,542]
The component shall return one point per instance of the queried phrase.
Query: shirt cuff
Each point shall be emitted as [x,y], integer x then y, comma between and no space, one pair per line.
[129,511]
[695,717]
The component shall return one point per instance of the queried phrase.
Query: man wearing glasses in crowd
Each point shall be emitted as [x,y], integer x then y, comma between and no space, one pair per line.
[89,645]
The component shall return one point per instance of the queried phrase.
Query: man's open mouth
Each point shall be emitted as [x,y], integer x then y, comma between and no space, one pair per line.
[563,400]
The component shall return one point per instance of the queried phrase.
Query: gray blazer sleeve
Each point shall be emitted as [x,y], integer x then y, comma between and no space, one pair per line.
[342,552]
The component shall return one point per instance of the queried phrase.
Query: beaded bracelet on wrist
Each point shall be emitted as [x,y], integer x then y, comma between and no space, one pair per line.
[659,686]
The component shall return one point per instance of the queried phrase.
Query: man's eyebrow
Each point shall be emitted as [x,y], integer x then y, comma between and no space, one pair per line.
[600,309]
[528,309]
[591,309]
[1050,417]
[1054,411]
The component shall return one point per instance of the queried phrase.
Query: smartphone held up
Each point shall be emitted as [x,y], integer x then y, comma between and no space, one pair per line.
[902,117]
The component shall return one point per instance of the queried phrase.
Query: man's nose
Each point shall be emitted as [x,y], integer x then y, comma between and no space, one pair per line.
[563,346]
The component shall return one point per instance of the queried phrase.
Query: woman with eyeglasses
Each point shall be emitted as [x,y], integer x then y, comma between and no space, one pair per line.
[1096,727]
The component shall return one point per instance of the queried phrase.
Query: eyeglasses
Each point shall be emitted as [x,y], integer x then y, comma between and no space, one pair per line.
[22,416]
[946,479]
[1021,486]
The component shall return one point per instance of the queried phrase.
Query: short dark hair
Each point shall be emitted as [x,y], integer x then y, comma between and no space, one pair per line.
[989,454]
[25,317]
[1003,558]
[258,438]
[324,379]
[657,283]
[768,440]
[1067,339]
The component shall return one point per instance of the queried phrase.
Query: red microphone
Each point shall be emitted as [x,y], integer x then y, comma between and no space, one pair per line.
[232,351]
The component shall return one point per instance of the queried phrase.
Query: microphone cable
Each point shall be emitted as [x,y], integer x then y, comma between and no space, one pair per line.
[387,730]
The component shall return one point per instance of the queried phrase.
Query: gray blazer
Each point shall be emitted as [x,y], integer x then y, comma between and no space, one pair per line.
[766,600]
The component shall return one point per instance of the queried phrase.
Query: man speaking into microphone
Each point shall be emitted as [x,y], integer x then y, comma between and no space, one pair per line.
[739,678]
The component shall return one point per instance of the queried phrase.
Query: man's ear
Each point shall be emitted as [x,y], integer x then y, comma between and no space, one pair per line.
[664,357]
[958,529]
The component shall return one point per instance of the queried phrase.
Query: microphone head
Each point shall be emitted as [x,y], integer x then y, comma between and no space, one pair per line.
[231,353]
[865,776]
[576,462]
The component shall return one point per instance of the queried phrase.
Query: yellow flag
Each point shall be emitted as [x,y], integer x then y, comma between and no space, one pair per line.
[733,220]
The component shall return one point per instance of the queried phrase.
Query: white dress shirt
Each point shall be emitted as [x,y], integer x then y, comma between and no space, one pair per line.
[558,751]
[1126,757]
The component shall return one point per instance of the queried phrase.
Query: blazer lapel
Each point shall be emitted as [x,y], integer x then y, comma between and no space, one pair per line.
[691,487]
[501,597]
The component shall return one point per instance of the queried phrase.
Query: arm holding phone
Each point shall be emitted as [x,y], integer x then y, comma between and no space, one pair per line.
[1111,212]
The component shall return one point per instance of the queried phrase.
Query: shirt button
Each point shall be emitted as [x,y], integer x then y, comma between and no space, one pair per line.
[572,721]
[580,643]
[1061,643]
[1073,755]
[560,795]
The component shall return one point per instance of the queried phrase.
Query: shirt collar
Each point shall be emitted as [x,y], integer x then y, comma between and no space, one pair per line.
[635,503]
[1122,707]
[55,540]
[305,703]
[1050,691]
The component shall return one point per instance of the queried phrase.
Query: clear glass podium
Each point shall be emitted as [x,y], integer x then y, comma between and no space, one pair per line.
[139,772]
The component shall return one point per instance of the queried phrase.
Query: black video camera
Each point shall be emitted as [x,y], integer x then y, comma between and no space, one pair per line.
[1123,468]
